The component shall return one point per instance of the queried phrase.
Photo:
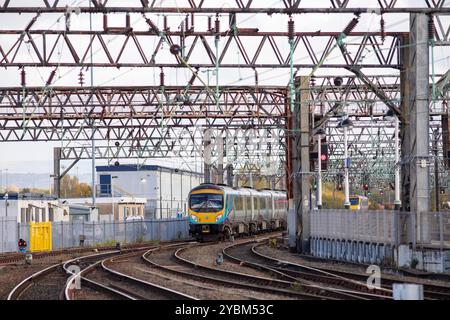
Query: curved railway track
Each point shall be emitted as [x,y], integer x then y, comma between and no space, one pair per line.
[431,291]
[245,254]
[51,282]
[136,288]
[58,281]
[172,261]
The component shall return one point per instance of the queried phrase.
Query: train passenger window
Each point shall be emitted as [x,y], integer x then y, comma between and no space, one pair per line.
[262,202]
[238,203]
[249,203]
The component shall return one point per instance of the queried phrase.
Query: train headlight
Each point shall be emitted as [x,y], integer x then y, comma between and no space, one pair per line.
[194,218]
[218,217]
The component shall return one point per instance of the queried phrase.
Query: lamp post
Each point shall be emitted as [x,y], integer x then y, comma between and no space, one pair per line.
[390,116]
[6,204]
[319,134]
[112,194]
[346,125]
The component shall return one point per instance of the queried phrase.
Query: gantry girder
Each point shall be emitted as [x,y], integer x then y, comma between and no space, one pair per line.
[238,6]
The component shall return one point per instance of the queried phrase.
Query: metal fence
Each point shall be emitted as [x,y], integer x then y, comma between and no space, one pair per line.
[434,229]
[390,227]
[69,234]
[8,234]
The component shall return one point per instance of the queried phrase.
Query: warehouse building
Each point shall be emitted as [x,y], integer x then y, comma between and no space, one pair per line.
[165,189]
[28,207]
[125,208]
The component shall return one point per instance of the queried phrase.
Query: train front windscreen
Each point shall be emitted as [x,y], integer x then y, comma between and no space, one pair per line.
[354,201]
[206,202]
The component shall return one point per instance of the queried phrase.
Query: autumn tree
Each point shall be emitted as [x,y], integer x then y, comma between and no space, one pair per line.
[72,188]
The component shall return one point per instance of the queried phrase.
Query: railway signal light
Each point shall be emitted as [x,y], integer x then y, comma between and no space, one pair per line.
[366,186]
[381,192]
[442,191]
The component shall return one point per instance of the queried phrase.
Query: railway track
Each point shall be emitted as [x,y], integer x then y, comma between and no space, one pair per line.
[171,260]
[50,283]
[58,281]
[136,288]
[10,258]
[245,254]
[431,291]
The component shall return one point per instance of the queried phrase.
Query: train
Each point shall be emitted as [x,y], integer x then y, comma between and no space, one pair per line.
[220,211]
[359,203]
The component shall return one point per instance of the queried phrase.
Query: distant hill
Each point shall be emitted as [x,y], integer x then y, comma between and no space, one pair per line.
[32,180]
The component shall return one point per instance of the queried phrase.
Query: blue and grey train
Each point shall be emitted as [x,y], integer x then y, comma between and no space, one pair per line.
[218,210]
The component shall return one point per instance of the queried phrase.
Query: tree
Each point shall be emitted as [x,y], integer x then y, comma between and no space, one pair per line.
[72,188]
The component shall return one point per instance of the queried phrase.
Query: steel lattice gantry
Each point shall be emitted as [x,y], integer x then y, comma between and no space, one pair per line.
[170,118]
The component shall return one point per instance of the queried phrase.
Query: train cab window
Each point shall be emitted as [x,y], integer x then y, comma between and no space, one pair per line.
[206,202]
[354,201]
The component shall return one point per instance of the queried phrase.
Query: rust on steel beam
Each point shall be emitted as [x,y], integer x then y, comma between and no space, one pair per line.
[224,10]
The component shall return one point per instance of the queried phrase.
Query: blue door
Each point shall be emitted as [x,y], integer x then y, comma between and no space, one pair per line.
[105,185]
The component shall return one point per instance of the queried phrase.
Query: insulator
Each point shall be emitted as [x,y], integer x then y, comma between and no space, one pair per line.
[50,78]
[166,27]
[382,29]
[161,78]
[209,23]
[105,22]
[81,78]
[217,27]
[431,28]
[186,23]
[312,81]
[22,77]
[291,29]
[192,21]
[349,28]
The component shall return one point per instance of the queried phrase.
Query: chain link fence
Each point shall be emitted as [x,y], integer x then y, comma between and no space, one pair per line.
[88,233]
[378,226]
[434,229]
[69,234]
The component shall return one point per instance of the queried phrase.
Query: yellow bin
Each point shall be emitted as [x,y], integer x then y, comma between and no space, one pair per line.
[40,236]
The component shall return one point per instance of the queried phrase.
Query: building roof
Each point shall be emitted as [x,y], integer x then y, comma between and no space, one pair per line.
[27,196]
[135,167]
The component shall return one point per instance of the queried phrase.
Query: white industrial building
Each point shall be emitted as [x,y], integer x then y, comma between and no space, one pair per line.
[124,208]
[32,208]
[166,189]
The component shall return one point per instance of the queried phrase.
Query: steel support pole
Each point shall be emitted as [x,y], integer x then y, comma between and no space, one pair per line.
[319,174]
[346,183]
[301,164]
[207,155]
[405,89]
[56,172]
[418,80]
[397,201]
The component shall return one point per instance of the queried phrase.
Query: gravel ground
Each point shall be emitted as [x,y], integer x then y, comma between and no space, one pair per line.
[284,254]
[200,289]
[206,256]
[87,293]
